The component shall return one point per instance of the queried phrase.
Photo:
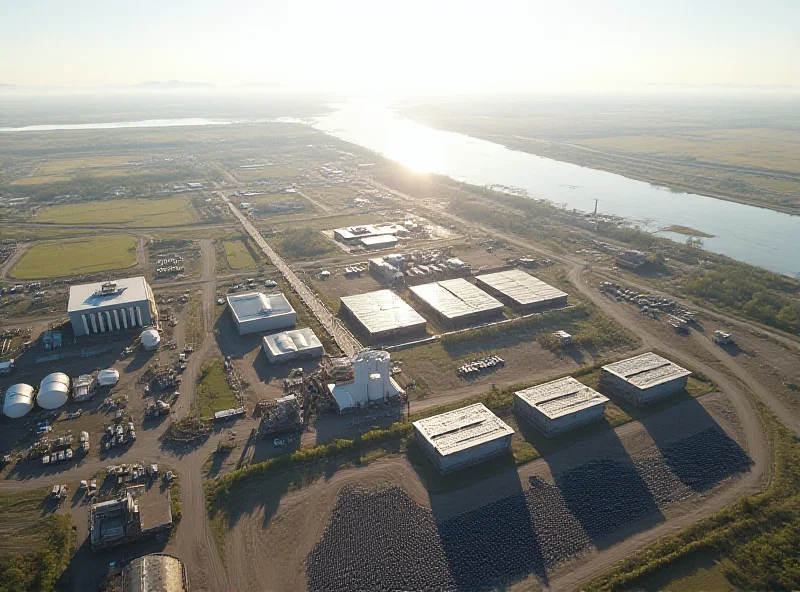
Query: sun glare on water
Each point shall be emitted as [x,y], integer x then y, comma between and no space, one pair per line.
[413,145]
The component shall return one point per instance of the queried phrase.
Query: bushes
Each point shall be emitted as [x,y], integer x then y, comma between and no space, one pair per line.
[757,293]
[304,243]
[40,570]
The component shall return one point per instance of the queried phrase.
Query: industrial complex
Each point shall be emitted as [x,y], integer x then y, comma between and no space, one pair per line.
[382,315]
[522,291]
[372,382]
[111,306]
[644,379]
[457,303]
[135,514]
[256,312]
[290,345]
[462,437]
[559,406]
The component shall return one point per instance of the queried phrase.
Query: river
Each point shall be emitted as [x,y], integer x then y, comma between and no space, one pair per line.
[754,235]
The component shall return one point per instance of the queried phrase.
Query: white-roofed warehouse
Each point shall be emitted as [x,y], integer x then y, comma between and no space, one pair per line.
[381,315]
[462,437]
[290,345]
[558,406]
[255,312]
[644,379]
[458,303]
[522,291]
[111,306]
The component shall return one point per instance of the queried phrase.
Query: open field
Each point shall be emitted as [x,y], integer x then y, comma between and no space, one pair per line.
[213,392]
[51,259]
[266,172]
[20,518]
[168,211]
[238,255]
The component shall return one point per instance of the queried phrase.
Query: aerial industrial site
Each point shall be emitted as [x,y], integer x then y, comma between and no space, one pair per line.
[256,352]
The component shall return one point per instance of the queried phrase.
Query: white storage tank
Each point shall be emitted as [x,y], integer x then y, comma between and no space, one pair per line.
[150,339]
[53,391]
[375,387]
[18,401]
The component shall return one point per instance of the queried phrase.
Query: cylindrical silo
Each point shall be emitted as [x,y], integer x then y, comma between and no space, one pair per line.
[375,388]
[53,391]
[18,401]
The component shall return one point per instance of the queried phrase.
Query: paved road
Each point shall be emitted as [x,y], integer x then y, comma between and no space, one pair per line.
[344,339]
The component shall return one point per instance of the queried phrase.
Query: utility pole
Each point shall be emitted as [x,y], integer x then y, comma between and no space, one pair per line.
[595,208]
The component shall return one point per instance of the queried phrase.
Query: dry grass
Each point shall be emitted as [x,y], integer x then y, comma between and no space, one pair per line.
[168,211]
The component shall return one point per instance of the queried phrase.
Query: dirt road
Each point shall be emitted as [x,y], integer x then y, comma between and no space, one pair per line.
[14,259]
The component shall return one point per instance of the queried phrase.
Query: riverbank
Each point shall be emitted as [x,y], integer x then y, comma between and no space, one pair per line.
[682,148]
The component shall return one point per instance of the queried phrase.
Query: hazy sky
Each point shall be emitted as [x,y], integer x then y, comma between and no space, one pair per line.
[401,45]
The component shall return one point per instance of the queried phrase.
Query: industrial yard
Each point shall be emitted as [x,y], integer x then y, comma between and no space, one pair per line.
[353,386]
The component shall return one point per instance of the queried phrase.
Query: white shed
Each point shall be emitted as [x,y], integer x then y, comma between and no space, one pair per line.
[108,377]
[18,401]
[53,391]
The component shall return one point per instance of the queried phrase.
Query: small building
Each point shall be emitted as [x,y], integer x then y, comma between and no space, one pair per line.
[256,312]
[136,514]
[150,339]
[156,572]
[630,259]
[457,303]
[558,406]
[372,382]
[84,387]
[382,315]
[291,345]
[352,235]
[521,291]
[463,437]
[372,243]
[117,305]
[644,379]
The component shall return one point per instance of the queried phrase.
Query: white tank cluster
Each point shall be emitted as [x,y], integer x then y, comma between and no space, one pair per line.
[372,381]
[53,391]
[150,339]
[18,401]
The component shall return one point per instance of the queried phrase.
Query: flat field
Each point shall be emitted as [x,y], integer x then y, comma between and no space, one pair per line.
[20,514]
[213,392]
[238,255]
[51,259]
[168,211]
[266,172]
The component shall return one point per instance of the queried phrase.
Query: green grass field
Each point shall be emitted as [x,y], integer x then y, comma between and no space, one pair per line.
[238,255]
[19,515]
[168,211]
[267,172]
[213,392]
[52,259]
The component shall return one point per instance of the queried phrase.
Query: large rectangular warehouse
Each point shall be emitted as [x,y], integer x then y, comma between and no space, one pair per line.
[463,437]
[644,379]
[558,406]
[521,290]
[290,345]
[457,302]
[256,312]
[381,315]
[117,305]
